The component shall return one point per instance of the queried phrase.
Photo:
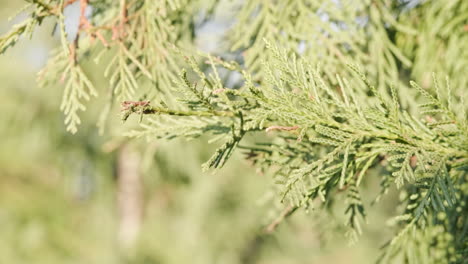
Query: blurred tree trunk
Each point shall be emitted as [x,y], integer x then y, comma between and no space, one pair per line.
[129,195]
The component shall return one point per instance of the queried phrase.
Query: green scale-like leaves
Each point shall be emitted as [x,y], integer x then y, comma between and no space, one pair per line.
[322,98]
[349,134]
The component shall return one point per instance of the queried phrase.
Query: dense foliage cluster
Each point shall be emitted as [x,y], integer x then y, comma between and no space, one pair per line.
[329,82]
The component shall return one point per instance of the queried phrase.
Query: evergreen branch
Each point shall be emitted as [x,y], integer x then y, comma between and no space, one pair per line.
[129,107]
[158,110]
[334,123]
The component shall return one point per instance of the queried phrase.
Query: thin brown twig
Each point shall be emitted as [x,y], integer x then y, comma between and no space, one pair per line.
[69,2]
[85,25]
[285,213]
[126,105]
[72,57]
[285,128]
[73,46]
[56,9]
[123,19]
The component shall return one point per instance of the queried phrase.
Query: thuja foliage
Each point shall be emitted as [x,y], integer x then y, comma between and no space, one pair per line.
[341,88]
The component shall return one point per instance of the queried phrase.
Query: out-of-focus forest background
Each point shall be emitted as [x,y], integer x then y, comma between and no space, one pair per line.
[62,200]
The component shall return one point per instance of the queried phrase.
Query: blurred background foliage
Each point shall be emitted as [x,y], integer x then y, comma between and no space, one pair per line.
[60,195]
